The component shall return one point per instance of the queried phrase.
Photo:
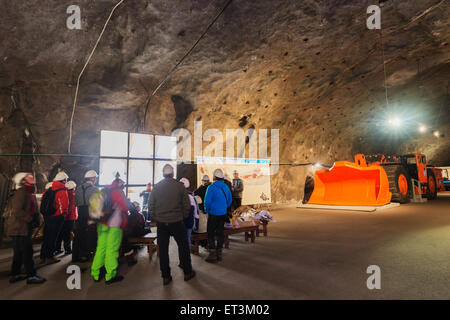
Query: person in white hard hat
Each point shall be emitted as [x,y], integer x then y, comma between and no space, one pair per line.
[169,205]
[237,190]
[201,191]
[217,199]
[193,213]
[54,222]
[20,228]
[85,235]
[65,236]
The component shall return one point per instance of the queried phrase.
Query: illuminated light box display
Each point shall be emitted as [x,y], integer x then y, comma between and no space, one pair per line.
[255,174]
[139,159]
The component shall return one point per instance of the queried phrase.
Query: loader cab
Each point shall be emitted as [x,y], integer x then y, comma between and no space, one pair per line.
[445,175]
[417,166]
[446,178]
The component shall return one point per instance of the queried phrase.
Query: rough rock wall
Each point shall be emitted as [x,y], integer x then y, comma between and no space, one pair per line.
[308,68]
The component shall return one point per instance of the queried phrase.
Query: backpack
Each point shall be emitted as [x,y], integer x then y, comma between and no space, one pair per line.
[48,202]
[7,213]
[101,205]
[85,203]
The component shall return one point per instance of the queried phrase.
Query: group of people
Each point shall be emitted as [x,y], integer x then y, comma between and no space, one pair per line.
[71,228]
[66,222]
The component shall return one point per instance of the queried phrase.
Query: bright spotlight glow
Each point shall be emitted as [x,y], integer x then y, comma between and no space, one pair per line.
[422,128]
[395,122]
[317,165]
[436,134]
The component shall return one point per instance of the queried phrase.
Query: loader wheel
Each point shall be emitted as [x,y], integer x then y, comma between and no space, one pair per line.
[432,187]
[399,183]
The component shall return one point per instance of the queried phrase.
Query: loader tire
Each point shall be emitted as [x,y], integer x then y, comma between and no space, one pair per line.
[431,185]
[399,183]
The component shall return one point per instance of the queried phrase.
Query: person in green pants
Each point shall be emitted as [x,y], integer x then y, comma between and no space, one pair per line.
[110,236]
[107,253]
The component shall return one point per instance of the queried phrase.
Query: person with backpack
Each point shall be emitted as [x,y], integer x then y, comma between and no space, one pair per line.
[217,199]
[66,232]
[169,205]
[54,208]
[114,208]
[84,241]
[20,227]
[193,213]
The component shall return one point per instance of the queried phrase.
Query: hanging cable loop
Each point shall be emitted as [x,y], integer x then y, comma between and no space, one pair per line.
[82,70]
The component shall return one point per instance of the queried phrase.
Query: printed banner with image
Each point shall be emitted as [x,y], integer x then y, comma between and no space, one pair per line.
[255,174]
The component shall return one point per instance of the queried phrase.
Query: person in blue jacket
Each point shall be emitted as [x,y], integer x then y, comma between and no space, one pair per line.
[217,199]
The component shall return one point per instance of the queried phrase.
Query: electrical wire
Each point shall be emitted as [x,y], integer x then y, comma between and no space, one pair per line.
[34,155]
[47,155]
[81,73]
[179,62]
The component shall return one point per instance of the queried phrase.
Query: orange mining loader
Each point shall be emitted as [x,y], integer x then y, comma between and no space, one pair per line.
[374,180]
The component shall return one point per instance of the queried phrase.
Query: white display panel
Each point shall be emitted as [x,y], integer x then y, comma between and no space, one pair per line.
[255,175]
[165,147]
[159,165]
[109,168]
[140,172]
[141,145]
[113,144]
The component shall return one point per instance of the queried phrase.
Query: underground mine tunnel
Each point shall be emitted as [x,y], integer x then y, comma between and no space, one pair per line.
[324,123]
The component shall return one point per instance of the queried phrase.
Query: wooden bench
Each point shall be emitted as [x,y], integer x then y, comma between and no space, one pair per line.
[197,237]
[249,232]
[262,227]
[147,240]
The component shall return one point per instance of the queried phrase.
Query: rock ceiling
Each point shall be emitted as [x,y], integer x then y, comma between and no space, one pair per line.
[311,69]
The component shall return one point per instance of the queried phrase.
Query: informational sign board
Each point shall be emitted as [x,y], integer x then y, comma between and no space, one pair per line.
[255,174]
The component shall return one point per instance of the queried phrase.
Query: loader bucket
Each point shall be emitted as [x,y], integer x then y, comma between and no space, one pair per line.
[348,184]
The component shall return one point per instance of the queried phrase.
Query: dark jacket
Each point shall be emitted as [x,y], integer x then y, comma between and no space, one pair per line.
[238,187]
[169,201]
[228,183]
[201,192]
[145,195]
[19,222]
[135,223]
